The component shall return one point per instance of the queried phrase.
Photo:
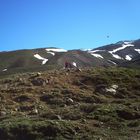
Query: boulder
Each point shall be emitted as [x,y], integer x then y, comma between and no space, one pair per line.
[39,82]
[69,101]
[112,89]
[22,98]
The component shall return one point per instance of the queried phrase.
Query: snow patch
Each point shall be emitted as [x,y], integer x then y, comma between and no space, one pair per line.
[56,50]
[44,60]
[125,45]
[127,42]
[111,90]
[97,55]
[112,62]
[74,64]
[115,55]
[137,50]
[4,70]
[97,51]
[128,57]
[85,49]
[51,53]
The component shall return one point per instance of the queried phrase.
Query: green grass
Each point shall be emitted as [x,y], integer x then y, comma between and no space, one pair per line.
[94,113]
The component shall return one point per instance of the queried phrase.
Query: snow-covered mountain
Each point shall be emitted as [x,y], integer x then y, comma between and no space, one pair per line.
[122,53]
[118,53]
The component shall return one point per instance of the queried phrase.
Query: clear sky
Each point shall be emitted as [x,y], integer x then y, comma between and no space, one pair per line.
[68,24]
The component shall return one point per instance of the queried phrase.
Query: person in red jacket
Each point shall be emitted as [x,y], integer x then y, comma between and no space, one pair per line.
[66,65]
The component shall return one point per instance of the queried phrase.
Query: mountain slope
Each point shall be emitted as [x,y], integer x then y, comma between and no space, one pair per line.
[135,63]
[123,52]
[92,104]
[56,103]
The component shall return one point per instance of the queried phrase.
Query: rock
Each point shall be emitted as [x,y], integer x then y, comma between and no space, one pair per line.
[16,109]
[128,114]
[57,117]
[33,75]
[103,89]
[112,89]
[83,120]
[78,70]
[100,88]
[40,107]
[47,81]
[3,113]
[35,110]
[46,98]
[69,101]
[101,123]
[114,86]
[22,98]
[67,73]
[38,74]
[65,105]
[39,82]
[20,80]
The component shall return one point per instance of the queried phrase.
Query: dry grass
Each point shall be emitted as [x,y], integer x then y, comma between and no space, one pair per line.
[70,105]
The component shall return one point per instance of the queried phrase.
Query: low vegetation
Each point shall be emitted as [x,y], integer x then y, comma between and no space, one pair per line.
[92,104]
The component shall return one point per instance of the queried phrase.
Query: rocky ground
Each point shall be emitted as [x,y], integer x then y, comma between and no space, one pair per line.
[92,104]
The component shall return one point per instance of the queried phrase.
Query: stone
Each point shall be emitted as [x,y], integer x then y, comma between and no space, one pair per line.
[100,88]
[38,82]
[78,70]
[20,80]
[22,98]
[38,74]
[83,120]
[114,86]
[36,110]
[67,73]
[111,90]
[69,101]
[57,117]
[16,109]
[3,113]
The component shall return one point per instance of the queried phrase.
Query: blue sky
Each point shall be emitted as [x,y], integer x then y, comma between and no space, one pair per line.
[68,24]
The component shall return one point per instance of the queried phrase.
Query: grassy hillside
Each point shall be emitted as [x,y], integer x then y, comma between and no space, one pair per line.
[92,104]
